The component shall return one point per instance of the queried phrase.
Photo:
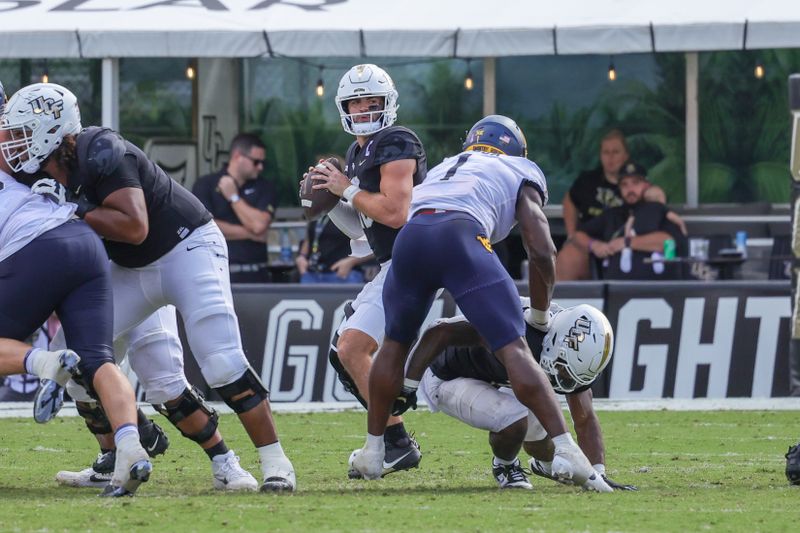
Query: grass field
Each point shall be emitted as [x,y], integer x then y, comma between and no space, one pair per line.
[696,471]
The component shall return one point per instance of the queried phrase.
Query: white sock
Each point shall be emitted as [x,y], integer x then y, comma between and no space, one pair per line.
[563,440]
[600,468]
[126,431]
[33,360]
[547,465]
[498,461]
[270,453]
[374,442]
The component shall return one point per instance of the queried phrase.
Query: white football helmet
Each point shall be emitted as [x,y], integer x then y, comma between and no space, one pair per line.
[363,81]
[38,117]
[577,347]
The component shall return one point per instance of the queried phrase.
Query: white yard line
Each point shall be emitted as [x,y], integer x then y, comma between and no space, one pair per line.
[25,409]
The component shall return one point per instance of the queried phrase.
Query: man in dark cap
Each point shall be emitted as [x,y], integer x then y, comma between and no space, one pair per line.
[623,237]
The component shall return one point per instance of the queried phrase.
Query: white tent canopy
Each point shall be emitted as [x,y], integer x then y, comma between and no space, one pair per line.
[370,28]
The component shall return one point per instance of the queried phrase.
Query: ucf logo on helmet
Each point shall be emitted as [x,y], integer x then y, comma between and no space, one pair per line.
[48,106]
[578,332]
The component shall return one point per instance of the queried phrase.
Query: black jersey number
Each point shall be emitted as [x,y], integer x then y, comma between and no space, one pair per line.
[452,171]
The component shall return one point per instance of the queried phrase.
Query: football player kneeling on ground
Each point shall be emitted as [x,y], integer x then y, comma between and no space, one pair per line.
[458,375]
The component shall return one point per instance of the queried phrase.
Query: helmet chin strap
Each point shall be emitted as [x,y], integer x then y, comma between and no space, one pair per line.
[30,166]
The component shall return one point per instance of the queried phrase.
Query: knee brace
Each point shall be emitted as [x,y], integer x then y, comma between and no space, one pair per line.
[245,393]
[189,402]
[94,417]
[345,378]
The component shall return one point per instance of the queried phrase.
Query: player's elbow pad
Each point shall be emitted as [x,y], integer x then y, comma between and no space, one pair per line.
[346,219]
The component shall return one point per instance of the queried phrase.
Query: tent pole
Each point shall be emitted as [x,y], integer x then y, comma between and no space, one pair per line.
[489,85]
[692,131]
[110,84]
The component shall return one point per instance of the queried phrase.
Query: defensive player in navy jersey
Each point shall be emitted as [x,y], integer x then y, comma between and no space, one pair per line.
[164,249]
[382,166]
[464,205]
[461,377]
[51,262]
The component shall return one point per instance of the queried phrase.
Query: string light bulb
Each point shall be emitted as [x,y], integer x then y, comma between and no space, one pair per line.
[190,72]
[759,70]
[469,83]
[320,85]
[612,72]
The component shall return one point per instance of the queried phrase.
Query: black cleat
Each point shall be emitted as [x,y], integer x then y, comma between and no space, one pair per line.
[153,439]
[793,465]
[511,476]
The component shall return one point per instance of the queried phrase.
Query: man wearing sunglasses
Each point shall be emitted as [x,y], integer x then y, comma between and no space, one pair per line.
[243,205]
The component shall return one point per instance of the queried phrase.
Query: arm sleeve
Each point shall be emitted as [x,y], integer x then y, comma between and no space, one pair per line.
[126,175]
[346,219]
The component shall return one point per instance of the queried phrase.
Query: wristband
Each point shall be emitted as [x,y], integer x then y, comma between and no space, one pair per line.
[590,245]
[350,192]
[627,242]
[410,384]
[540,317]
[234,198]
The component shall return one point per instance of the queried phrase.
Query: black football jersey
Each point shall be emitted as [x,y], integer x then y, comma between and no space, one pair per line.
[364,163]
[479,363]
[106,163]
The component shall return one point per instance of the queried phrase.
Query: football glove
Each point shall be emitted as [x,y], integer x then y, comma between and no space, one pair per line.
[405,401]
[50,189]
[616,486]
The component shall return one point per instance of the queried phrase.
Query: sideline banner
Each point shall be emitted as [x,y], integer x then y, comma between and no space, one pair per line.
[698,340]
[673,339]
[286,332]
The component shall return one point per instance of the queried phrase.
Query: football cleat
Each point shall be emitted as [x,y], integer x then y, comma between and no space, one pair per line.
[366,464]
[57,369]
[139,473]
[402,455]
[153,439]
[540,469]
[511,476]
[279,476]
[131,469]
[229,474]
[793,464]
[97,476]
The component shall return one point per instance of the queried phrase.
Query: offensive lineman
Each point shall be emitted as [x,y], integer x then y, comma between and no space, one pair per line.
[164,249]
[464,205]
[44,251]
[382,166]
[459,376]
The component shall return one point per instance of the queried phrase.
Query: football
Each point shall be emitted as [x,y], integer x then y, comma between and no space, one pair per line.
[316,202]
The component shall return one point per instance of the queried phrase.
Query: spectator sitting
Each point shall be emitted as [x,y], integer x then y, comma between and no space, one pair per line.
[591,194]
[242,206]
[638,224]
[325,255]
